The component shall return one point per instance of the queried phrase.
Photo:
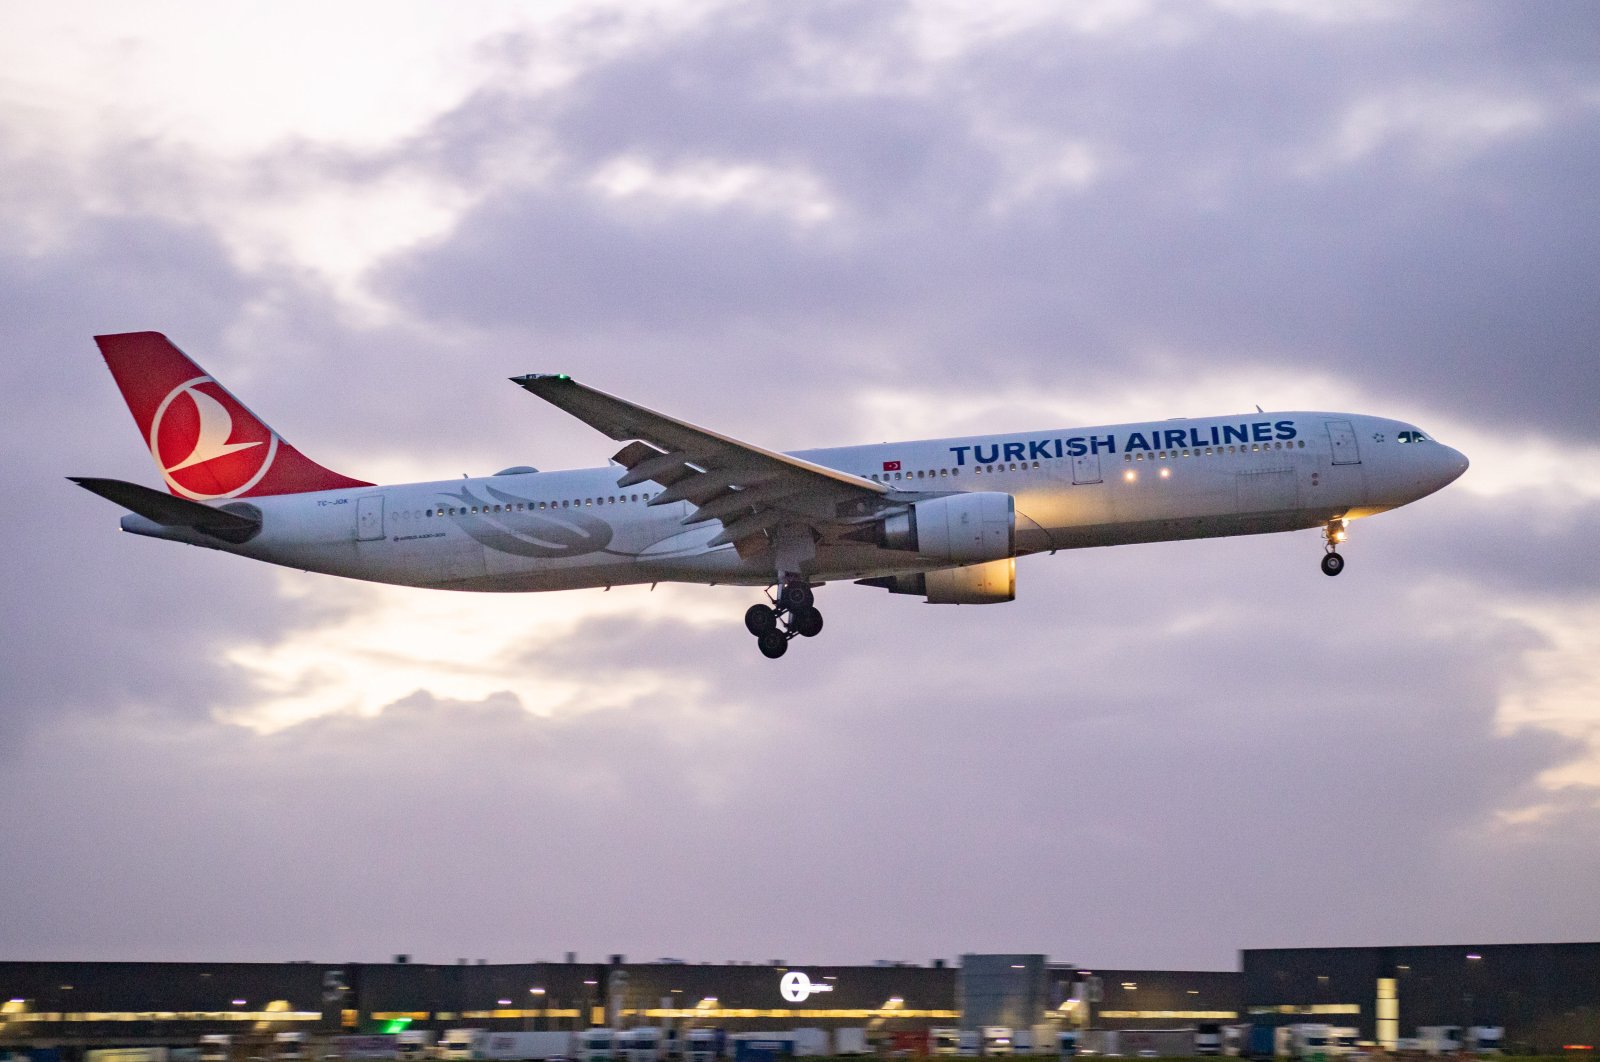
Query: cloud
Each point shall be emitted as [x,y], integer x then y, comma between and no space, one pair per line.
[1182,228]
[1036,781]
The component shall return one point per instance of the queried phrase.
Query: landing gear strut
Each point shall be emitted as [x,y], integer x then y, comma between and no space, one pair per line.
[794,615]
[1333,534]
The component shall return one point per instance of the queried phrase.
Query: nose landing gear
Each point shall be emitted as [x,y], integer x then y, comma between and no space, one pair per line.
[1333,534]
[794,615]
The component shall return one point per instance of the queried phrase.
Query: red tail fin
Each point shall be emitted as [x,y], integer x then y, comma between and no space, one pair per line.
[204,441]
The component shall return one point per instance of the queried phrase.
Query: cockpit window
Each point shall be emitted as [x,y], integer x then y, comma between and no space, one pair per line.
[1413,437]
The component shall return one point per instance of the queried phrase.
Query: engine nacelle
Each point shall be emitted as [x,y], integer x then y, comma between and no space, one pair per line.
[990,583]
[964,528]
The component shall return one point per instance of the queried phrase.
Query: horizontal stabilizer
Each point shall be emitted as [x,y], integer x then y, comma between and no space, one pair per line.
[171,511]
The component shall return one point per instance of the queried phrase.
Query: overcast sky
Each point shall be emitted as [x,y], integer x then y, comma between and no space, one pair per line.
[805,225]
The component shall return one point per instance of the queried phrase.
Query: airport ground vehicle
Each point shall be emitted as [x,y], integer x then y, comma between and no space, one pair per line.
[414,1045]
[523,1046]
[1249,1040]
[759,1047]
[997,1040]
[597,1045]
[459,1045]
[1486,1039]
[704,1045]
[289,1046]
[368,1048]
[851,1040]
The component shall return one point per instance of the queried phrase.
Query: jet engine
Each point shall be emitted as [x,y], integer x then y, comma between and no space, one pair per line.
[965,528]
[990,583]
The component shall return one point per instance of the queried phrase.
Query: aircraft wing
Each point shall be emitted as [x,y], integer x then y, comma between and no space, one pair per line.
[749,489]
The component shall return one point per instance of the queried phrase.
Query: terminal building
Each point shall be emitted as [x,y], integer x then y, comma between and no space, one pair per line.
[1546,996]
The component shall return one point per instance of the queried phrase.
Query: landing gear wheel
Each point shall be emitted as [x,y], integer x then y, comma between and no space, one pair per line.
[773,643]
[759,619]
[795,596]
[806,622]
[1332,564]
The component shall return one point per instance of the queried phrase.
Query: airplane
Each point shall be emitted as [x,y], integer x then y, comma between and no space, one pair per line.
[940,519]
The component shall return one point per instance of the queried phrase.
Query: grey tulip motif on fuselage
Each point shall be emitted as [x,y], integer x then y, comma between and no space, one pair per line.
[529,533]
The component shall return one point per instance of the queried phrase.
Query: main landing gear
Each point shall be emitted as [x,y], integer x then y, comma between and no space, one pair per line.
[1333,534]
[794,614]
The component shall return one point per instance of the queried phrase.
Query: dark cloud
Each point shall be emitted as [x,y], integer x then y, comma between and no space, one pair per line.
[1444,261]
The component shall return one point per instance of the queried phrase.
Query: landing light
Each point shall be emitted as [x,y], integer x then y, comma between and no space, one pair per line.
[1130,475]
[1166,473]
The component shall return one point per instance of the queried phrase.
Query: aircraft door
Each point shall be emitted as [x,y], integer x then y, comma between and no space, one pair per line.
[1086,469]
[1343,438]
[369,518]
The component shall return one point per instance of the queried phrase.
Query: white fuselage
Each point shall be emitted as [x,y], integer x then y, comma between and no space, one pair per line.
[1177,479]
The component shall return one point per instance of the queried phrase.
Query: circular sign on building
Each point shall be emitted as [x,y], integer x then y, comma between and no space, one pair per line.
[796,987]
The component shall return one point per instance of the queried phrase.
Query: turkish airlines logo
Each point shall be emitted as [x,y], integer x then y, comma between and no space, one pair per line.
[796,987]
[203,449]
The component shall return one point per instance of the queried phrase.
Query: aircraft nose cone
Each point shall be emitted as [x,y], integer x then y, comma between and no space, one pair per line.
[1455,464]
